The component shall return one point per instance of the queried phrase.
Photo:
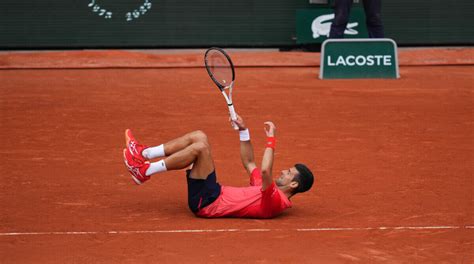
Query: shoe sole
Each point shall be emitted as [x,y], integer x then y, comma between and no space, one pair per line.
[127,137]
[137,181]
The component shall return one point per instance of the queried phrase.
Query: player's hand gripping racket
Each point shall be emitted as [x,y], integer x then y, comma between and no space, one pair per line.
[221,70]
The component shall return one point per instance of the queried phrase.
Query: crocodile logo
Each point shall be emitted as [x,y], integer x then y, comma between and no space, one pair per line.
[321,26]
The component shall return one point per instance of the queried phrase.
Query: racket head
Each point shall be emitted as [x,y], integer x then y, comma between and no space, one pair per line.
[220,68]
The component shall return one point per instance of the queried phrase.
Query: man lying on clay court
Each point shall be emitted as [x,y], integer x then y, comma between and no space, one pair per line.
[264,198]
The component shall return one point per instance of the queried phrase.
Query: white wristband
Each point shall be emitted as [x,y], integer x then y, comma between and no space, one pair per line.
[244,135]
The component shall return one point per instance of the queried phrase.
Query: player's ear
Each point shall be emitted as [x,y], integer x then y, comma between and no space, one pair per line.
[294,184]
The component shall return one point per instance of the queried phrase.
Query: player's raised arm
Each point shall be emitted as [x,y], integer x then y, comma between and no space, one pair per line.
[267,160]
[246,149]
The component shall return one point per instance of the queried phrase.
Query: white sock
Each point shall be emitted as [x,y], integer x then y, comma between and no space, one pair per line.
[154,152]
[156,167]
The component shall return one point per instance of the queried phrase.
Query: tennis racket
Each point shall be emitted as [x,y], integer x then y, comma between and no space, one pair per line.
[221,70]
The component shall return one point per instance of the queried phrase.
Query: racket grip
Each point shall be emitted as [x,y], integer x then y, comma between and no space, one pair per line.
[233,116]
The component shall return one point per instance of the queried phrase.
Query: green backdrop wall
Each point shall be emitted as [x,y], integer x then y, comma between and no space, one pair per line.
[201,23]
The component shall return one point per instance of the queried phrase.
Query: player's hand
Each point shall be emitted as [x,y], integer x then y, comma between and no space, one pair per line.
[239,122]
[270,129]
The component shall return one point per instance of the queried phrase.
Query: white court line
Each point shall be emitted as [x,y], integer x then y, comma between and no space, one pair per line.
[319,229]
[379,228]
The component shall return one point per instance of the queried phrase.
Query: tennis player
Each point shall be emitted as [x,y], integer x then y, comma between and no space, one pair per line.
[264,198]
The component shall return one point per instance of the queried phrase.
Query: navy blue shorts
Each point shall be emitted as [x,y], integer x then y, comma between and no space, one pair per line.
[202,193]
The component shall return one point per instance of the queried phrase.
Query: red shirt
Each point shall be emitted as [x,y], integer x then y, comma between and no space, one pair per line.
[249,201]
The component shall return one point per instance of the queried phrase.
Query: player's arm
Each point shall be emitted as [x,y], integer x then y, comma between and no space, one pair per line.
[267,160]
[246,149]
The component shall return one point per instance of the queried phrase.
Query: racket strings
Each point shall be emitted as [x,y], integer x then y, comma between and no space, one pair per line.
[220,68]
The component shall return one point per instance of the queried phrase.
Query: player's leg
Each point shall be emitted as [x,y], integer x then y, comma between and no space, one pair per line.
[181,152]
[192,148]
[181,143]
[342,10]
[203,188]
[174,145]
[203,166]
[198,154]
[143,152]
[373,18]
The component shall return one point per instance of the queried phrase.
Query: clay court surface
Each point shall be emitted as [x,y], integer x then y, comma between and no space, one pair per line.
[392,158]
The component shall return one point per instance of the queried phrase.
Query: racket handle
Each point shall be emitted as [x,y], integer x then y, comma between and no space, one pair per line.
[233,116]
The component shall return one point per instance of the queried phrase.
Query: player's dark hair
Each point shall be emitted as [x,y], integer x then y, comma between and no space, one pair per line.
[304,178]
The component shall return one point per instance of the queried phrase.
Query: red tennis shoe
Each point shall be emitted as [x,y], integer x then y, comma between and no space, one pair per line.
[136,168]
[134,147]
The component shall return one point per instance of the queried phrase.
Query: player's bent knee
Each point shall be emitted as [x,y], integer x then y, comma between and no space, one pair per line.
[199,136]
[200,148]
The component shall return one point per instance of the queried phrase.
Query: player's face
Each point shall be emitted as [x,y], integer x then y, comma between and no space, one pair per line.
[286,176]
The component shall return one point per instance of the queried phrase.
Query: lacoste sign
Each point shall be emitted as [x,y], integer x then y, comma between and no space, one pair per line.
[359,58]
[370,60]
